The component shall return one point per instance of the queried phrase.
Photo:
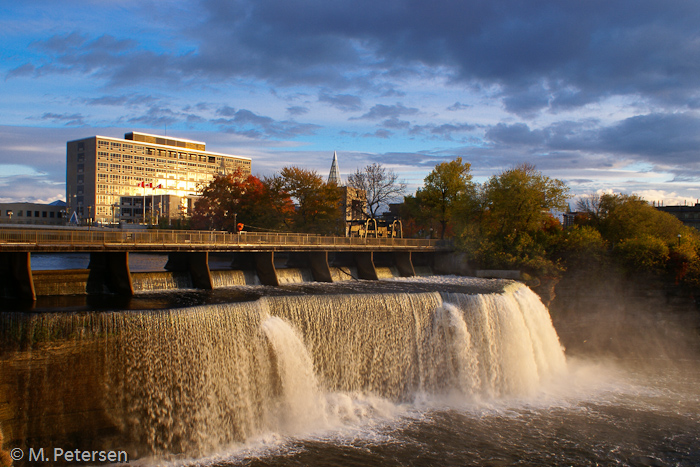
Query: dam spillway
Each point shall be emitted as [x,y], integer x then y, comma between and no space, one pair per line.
[195,379]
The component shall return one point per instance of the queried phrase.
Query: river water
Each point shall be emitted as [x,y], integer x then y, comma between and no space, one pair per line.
[427,371]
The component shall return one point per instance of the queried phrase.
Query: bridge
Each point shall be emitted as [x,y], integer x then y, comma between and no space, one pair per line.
[188,251]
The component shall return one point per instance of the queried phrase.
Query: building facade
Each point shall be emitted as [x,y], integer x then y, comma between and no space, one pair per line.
[33,213]
[153,210]
[100,170]
[689,215]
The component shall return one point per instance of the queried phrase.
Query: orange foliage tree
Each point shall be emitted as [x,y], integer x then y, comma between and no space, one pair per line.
[231,199]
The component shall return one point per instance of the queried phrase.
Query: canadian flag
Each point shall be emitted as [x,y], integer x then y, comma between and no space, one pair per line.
[149,185]
[160,185]
[142,184]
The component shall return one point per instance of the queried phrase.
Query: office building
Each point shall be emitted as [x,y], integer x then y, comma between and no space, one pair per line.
[688,214]
[101,170]
[33,213]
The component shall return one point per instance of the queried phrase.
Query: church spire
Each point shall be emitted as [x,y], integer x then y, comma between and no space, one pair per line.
[334,175]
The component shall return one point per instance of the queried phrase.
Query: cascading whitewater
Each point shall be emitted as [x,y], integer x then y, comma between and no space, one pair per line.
[191,380]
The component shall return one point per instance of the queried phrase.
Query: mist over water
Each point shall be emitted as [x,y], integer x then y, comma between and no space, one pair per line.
[418,371]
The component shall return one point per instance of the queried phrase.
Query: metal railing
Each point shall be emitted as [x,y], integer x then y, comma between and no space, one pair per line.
[88,238]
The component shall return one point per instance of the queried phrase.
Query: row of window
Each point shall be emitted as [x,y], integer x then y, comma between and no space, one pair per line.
[124,147]
[48,214]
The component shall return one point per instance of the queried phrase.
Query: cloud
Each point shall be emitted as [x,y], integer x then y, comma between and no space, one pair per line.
[446,131]
[387,111]
[550,54]
[458,106]
[66,119]
[381,133]
[297,110]
[247,123]
[344,102]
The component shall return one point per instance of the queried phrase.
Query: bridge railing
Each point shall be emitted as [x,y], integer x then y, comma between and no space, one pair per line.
[185,237]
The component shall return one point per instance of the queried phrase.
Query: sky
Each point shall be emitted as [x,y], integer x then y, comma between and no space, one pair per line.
[602,95]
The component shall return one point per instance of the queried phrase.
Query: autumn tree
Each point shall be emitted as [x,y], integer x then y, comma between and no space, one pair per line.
[380,185]
[447,192]
[317,201]
[231,199]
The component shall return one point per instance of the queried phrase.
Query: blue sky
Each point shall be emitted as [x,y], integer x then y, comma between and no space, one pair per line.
[604,95]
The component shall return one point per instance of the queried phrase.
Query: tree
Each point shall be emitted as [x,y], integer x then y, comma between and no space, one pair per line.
[380,185]
[520,199]
[318,202]
[515,228]
[231,199]
[447,190]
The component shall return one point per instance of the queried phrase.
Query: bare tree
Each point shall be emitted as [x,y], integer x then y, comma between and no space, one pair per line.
[380,185]
[590,204]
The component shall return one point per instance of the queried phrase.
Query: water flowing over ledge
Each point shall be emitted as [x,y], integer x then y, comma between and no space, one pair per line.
[196,379]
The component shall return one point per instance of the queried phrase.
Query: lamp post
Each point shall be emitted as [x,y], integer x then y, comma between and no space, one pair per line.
[679,240]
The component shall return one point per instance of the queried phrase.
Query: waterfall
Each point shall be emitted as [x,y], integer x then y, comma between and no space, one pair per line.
[162,280]
[233,277]
[194,379]
[300,403]
[294,275]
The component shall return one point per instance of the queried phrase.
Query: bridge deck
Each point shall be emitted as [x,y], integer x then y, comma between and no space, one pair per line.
[63,240]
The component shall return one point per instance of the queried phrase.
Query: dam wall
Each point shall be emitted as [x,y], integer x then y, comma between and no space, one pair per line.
[110,272]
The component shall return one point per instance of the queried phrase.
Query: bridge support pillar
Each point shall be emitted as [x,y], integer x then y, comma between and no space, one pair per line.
[318,260]
[16,275]
[265,267]
[404,263]
[364,260]
[109,272]
[262,262]
[197,264]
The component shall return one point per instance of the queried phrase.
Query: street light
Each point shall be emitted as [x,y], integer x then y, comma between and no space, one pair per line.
[679,240]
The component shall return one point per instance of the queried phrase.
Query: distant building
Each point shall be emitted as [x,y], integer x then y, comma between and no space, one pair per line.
[689,215]
[100,170]
[353,203]
[334,175]
[33,213]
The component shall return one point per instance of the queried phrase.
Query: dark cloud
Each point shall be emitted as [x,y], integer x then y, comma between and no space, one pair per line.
[226,111]
[516,134]
[446,131]
[395,123]
[297,110]
[249,124]
[381,133]
[458,106]
[543,54]
[669,138]
[124,100]
[344,102]
[387,111]
[65,119]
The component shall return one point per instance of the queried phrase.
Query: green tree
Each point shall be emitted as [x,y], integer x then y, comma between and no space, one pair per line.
[318,202]
[515,228]
[447,192]
[381,186]
[521,200]
[643,253]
